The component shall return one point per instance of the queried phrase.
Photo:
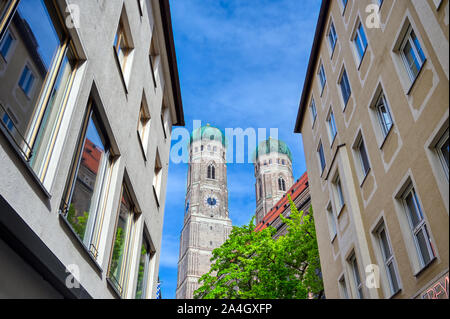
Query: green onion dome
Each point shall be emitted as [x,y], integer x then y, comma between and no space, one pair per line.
[272,146]
[208,132]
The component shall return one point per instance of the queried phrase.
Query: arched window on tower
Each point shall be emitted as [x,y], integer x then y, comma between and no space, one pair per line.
[211,172]
[281,184]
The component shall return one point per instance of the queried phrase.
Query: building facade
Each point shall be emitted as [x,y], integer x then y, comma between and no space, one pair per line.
[374,122]
[273,174]
[89,93]
[206,221]
[299,193]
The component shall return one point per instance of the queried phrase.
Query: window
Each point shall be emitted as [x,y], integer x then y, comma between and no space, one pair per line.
[141,6]
[332,36]
[122,47]
[443,149]
[43,74]
[144,126]
[322,77]
[412,54]
[121,249]
[157,177]
[345,87]
[321,157]
[313,111]
[331,222]
[281,184]
[154,58]
[165,114]
[211,174]
[283,162]
[363,158]
[6,44]
[388,258]
[418,227]
[143,277]
[356,277]
[85,192]
[360,41]
[343,288]
[339,193]
[344,3]
[332,126]
[384,114]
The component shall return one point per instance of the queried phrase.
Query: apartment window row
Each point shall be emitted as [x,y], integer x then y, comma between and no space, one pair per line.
[88,187]
[409,50]
[419,238]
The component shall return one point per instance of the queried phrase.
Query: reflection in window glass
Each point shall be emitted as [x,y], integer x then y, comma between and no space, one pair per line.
[121,239]
[143,272]
[37,69]
[87,190]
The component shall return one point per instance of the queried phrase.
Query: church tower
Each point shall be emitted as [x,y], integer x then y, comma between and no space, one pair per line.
[273,173]
[206,221]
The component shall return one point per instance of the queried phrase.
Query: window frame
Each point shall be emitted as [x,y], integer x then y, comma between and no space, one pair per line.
[120,285]
[407,39]
[357,279]
[147,266]
[438,148]
[332,37]
[91,244]
[5,55]
[388,260]
[358,42]
[381,119]
[322,78]
[343,79]
[422,226]
[66,48]
[332,128]
[322,159]
[313,109]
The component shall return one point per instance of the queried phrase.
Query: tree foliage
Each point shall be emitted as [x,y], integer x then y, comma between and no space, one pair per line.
[253,265]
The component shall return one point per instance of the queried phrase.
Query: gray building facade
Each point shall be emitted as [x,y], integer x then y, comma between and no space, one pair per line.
[83,174]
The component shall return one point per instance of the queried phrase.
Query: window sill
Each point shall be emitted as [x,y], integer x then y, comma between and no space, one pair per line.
[25,163]
[323,89]
[416,78]
[341,210]
[395,293]
[334,238]
[113,287]
[122,76]
[421,271]
[141,146]
[80,242]
[365,178]
[386,136]
[156,196]
[346,103]
[362,58]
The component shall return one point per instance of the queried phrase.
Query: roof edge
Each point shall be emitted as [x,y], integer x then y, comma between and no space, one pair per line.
[172,57]
[312,61]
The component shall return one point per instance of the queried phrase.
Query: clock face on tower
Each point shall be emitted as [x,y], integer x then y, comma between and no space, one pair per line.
[211,201]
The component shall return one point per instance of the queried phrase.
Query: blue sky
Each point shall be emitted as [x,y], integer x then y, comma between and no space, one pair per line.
[241,64]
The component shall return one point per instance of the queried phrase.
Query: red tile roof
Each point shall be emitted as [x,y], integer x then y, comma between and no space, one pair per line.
[91,156]
[279,208]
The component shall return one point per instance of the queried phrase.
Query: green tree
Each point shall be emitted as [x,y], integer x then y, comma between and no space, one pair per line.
[253,265]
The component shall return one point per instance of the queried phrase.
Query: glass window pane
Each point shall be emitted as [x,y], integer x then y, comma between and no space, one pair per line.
[364,158]
[37,40]
[117,259]
[5,44]
[411,60]
[413,209]
[143,270]
[393,277]
[385,245]
[445,149]
[88,184]
[422,242]
[418,47]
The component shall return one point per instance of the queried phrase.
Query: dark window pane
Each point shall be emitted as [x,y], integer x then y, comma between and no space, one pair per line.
[385,245]
[413,209]
[445,148]
[422,240]
[393,277]
[364,158]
